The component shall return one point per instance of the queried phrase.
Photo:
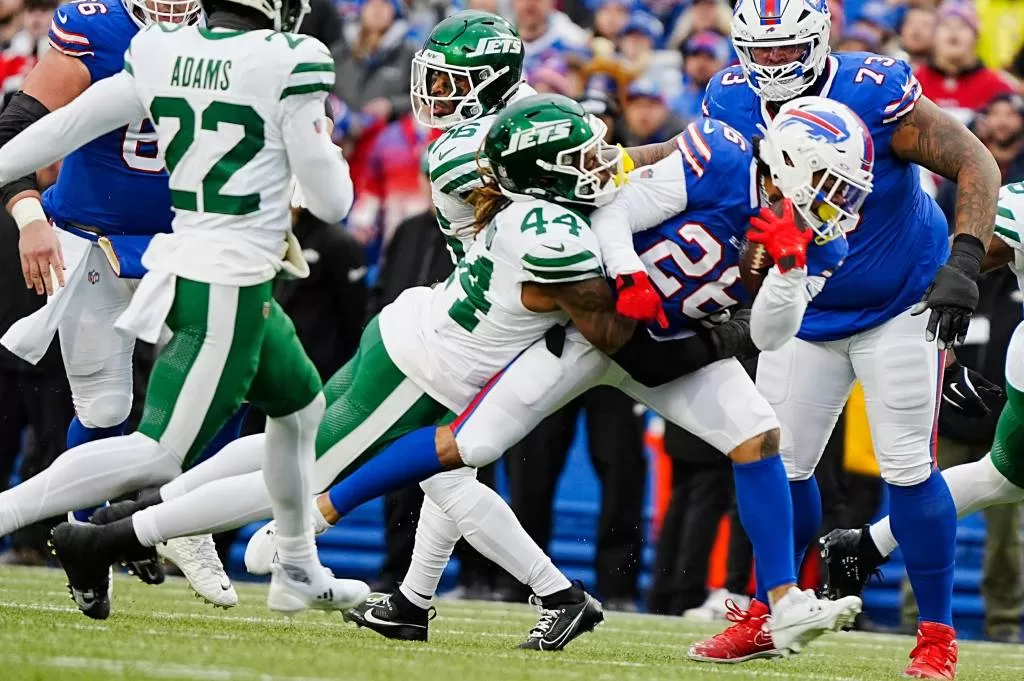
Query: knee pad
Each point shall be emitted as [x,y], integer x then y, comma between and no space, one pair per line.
[103,410]
[475,449]
[444,489]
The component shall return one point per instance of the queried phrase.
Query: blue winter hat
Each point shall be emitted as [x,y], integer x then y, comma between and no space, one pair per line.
[644,24]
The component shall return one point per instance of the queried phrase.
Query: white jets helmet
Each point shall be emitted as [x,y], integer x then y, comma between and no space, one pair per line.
[145,12]
[820,155]
[803,24]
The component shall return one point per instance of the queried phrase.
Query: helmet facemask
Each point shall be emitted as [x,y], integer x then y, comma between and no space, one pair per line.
[145,12]
[471,81]
[597,166]
[828,199]
[787,81]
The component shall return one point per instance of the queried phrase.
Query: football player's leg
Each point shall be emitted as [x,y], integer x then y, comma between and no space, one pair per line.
[721,405]
[807,385]
[998,478]
[901,375]
[97,359]
[533,386]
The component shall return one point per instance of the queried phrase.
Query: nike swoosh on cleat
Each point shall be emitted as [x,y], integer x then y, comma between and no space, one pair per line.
[370,617]
[560,249]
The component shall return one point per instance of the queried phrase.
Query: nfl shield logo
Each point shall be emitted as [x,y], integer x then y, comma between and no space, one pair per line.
[93,276]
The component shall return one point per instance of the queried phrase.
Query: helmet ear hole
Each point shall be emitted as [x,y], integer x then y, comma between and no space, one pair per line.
[789,161]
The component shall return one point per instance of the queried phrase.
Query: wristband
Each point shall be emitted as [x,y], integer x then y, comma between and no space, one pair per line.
[27,210]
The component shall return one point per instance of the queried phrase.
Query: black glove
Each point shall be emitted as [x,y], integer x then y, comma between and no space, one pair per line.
[732,338]
[953,295]
[967,392]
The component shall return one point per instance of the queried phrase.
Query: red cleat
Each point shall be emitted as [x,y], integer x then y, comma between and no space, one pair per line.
[934,656]
[747,639]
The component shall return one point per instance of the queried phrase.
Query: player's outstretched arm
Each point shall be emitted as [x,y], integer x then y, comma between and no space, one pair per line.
[933,139]
[317,163]
[105,106]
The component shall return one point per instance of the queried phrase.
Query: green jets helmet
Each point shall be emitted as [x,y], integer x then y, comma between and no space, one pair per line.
[547,146]
[469,66]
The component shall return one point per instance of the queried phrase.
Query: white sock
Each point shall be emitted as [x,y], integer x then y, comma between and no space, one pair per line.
[974,486]
[288,471]
[491,528]
[436,536]
[242,456]
[217,506]
[86,476]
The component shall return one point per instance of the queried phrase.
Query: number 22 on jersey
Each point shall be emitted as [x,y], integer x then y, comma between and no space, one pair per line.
[215,115]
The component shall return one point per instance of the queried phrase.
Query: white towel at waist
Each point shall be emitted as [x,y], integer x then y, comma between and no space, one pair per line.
[30,337]
[151,303]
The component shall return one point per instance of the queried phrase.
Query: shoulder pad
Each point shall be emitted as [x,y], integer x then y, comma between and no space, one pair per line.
[554,243]
[313,67]
[882,90]
[97,33]
[452,159]
[724,90]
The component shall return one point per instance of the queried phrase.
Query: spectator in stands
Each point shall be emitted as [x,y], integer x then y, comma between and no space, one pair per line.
[882,18]
[701,15]
[955,78]
[551,75]
[546,32]
[26,46]
[917,33]
[610,18]
[602,102]
[646,117]
[388,187]
[858,39]
[10,20]
[637,46]
[704,54]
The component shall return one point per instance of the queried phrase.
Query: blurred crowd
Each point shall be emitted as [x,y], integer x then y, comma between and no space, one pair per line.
[641,65]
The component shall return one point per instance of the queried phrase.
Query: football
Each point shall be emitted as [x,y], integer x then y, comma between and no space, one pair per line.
[754,259]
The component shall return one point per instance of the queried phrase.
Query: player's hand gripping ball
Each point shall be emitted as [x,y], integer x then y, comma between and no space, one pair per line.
[777,235]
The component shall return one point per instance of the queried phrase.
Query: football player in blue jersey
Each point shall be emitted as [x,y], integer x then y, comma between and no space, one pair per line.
[863,325]
[686,216]
[110,198]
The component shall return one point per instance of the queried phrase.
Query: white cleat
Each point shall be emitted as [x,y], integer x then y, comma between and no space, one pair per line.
[197,559]
[799,617]
[293,589]
[261,551]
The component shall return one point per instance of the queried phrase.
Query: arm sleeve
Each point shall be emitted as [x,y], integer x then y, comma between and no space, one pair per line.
[778,308]
[319,166]
[653,195]
[105,106]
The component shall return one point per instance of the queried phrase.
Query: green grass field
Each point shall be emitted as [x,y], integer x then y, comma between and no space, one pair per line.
[165,633]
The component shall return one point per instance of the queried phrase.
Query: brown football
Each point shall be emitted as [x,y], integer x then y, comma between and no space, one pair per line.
[754,259]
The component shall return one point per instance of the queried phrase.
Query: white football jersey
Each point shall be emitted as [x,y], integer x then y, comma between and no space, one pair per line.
[451,339]
[218,98]
[452,164]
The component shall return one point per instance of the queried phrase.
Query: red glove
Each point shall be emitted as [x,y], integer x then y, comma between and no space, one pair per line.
[638,300]
[781,236]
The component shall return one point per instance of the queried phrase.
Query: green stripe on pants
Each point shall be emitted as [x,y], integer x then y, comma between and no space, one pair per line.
[222,334]
[376,405]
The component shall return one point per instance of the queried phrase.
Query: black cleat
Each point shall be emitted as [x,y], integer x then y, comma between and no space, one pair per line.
[558,625]
[392,616]
[850,560]
[144,563]
[88,572]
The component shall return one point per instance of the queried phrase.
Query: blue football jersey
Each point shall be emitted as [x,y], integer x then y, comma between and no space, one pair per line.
[693,258]
[116,183]
[901,239]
